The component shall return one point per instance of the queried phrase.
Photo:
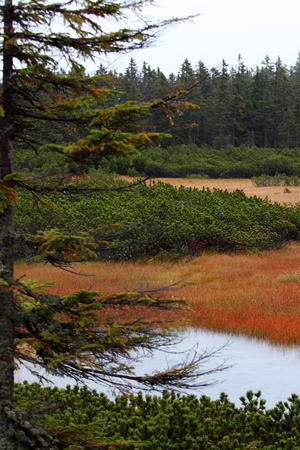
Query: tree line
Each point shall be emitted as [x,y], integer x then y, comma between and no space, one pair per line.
[238,105]
[235,106]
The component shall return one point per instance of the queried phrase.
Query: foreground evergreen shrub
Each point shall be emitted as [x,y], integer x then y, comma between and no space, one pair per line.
[169,422]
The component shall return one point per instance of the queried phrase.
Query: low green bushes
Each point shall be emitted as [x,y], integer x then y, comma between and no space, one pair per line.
[169,422]
[279,179]
[161,219]
[230,162]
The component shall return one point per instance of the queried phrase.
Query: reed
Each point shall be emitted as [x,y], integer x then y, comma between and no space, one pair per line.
[256,295]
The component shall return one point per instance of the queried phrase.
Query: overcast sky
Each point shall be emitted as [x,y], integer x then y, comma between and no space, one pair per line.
[223,29]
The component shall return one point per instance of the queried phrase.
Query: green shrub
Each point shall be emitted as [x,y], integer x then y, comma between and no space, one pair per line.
[228,162]
[169,422]
[277,180]
[161,219]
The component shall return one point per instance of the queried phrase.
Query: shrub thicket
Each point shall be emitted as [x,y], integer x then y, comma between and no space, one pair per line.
[230,162]
[169,422]
[278,179]
[160,219]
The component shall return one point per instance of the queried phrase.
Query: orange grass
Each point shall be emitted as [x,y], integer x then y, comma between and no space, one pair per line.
[256,295]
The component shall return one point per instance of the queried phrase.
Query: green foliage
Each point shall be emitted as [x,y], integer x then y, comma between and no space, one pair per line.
[8,194]
[237,105]
[169,422]
[55,246]
[230,162]
[277,180]
[152,220]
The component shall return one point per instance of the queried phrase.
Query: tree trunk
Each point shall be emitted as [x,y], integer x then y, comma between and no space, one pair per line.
[6,240]
[6,327]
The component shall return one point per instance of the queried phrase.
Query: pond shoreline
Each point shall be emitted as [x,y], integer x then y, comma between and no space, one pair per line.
[255,365]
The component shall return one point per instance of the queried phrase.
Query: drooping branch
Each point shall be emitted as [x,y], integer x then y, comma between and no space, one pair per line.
[85,344]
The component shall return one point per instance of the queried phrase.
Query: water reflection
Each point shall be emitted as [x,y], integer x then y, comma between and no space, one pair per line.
[256,365]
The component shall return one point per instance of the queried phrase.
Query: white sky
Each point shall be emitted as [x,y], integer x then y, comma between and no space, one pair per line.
[224,28]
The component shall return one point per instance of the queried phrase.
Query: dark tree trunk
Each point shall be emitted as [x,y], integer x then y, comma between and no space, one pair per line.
[6,325]
[6,239]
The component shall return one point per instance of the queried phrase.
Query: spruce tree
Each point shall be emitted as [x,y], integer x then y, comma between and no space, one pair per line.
[294,135]
[64,334]
[240,104]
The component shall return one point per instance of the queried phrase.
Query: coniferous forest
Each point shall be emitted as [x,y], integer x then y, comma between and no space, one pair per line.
[244,123]
[235,105]
[234,121]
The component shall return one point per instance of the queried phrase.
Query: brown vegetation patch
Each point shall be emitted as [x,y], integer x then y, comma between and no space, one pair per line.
[257,295]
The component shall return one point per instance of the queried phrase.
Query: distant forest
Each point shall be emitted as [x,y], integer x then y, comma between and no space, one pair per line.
[255,107]
[233,111]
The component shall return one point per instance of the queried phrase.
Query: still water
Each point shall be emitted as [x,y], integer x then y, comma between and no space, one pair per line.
[255,365]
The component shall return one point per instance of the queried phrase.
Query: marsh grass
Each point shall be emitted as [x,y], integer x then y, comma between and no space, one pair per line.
[290,278]
[256,295]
